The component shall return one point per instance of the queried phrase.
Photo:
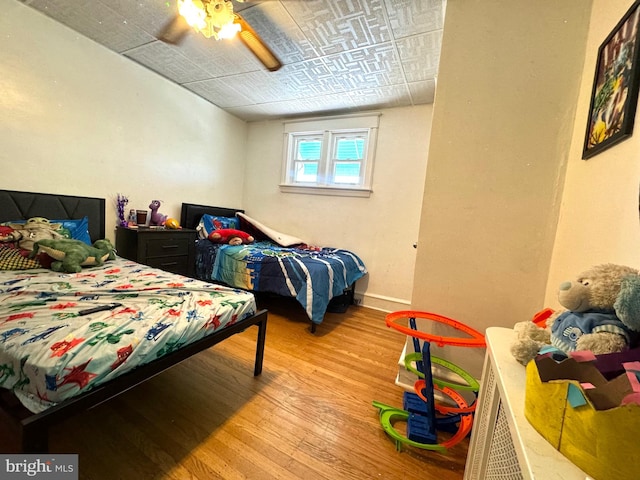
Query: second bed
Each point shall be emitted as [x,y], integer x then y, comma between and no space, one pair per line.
[274,263]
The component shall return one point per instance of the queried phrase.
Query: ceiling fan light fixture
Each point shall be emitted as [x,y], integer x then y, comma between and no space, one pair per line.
[211,18]
[193,12]
[228,31]
[255,44]
[219,12]
[215,18]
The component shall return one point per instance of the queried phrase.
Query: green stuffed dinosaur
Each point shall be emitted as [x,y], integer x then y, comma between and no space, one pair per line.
[71,255]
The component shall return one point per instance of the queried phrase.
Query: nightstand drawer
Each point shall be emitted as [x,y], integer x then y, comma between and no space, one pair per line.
[176,264]
[171,250]
[162,247]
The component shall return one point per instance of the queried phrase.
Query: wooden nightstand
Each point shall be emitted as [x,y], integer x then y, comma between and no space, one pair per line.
[171,250]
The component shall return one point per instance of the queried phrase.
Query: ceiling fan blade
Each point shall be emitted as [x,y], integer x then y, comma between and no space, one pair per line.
[174,31]
[253,42]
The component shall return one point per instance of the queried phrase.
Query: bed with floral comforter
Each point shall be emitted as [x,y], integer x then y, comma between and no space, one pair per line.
[54,345]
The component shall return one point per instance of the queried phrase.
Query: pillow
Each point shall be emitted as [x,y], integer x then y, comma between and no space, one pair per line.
[209,223]
[78,229]
[15,259]
[75,229]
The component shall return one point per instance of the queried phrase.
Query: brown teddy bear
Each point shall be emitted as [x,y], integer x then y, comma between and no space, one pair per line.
[602,315]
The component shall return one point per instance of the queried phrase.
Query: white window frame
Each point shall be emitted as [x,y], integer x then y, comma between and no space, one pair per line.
[330,129]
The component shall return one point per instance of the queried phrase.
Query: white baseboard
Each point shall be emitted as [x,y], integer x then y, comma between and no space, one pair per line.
[381,302]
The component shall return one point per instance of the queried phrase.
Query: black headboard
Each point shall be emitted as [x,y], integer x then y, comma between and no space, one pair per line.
[191,213]
[23,205]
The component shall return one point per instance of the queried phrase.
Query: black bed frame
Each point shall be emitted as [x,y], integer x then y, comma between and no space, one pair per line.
[23,205]
[34,428]
[191,213]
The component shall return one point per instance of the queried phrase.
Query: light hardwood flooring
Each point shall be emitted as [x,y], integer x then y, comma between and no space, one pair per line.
[308,416]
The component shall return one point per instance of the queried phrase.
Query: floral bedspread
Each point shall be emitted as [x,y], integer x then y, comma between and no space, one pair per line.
[52,347]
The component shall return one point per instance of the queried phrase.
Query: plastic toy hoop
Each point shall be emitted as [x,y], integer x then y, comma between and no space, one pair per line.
[477,339]
[463,406]
[466,420]
[472,383]
[389,415]
[460,415]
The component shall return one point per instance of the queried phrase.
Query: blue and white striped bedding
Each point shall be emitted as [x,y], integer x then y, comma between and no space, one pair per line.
[313,276]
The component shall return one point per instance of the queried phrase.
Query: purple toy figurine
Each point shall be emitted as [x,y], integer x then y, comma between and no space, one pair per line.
[156,218]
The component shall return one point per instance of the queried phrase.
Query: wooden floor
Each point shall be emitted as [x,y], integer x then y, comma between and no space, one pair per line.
[308,416]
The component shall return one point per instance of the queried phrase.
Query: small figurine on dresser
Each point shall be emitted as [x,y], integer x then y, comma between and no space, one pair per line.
[156,218]
[131,221]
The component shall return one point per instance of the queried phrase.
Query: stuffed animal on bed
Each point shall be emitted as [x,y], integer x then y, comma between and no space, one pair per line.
[230,236]
[34,229]
[71,255]
[5,232]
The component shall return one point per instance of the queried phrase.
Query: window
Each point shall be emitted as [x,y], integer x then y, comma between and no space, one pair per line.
[332,156]
[306,151]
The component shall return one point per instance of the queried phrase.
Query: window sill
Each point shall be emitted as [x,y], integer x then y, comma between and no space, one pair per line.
[334,191]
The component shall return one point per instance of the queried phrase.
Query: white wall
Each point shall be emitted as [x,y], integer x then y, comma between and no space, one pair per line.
[381,229]
[599,215]
[507,87]
[75,118]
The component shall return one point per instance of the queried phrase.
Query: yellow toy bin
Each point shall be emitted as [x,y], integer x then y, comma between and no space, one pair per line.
[585,416]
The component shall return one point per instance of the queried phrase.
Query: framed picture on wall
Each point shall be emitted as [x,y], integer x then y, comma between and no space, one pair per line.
[615,87]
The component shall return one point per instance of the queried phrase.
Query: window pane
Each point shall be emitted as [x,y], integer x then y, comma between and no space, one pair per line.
[306,172]
[335,155]
[347,173]
[309,149]
[350,148]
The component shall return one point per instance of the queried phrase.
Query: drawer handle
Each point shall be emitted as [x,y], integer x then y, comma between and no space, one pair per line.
[169,246]
[168,264]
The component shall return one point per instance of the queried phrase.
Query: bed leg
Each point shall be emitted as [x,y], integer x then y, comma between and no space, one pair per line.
[313,327]
[262,333]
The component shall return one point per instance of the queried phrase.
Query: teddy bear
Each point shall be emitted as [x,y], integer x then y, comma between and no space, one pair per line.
[601,314]
[230,236]
[71,255]
[34,229]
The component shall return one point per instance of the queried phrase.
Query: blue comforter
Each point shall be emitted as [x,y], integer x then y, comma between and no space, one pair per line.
[312,276]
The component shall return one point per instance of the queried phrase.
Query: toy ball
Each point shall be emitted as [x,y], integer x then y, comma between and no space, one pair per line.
[172,223]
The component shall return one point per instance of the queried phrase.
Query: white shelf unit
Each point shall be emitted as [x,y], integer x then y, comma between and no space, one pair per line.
[504,445]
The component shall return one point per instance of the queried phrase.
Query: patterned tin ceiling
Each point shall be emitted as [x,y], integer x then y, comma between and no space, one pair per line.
[339,55]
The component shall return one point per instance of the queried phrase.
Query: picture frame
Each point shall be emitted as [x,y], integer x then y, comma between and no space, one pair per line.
[614,95]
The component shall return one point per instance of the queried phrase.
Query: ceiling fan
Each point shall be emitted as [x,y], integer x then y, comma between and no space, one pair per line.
[216,18]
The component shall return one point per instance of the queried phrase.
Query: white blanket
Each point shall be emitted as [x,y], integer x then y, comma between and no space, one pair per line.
[282,239]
